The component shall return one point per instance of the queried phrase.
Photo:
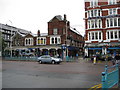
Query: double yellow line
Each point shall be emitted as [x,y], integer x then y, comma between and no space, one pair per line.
[95,87]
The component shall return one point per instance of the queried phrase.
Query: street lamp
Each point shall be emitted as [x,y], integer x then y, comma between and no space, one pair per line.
[66,28]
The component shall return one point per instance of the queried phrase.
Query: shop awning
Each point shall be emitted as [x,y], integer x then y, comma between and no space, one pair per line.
[95,48]
[114,48]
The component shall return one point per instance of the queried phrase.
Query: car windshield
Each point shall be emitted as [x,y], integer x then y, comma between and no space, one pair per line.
[45,56]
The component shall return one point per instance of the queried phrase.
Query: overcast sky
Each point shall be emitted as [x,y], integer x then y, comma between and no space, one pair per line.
[34,14]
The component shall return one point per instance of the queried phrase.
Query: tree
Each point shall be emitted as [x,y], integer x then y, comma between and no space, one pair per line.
[3,45]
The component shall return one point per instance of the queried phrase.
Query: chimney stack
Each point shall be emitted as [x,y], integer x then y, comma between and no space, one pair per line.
[65,17]
[38,33]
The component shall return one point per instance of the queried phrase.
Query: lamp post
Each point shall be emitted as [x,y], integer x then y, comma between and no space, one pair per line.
[66,28]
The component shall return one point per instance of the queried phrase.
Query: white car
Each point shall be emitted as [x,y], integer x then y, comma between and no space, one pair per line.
[48,59]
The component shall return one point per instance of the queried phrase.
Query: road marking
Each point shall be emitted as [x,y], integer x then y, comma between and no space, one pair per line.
[95,87]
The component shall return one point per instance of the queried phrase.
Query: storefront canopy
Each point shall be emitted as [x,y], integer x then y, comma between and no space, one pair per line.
[95,48]
[114,48]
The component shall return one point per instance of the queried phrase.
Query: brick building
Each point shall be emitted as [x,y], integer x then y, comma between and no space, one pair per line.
[102,24]
[61,40]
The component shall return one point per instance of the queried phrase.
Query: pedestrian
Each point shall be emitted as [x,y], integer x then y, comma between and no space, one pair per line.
[113,59]
[117,58]
[76,56]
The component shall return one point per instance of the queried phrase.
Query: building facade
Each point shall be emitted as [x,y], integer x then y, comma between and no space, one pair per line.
[102,24]
[61,40]
[9,31]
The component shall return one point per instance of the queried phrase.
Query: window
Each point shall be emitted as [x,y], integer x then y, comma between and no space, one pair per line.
[58,40]
[111,33]
[38,41]
[100,35]
[112,11]
[92,36]
[97,35]
[113,22]
[55,31]
[118,21]
[55,40]
[93,3]
[108,35]
[28,41]
[94,13]
[89,36]
[119,34]
[95,23]
[111,2]
[52,40]
[114,34]
[41,40]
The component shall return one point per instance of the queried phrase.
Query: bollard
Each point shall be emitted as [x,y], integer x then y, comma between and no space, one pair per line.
[103,81]
[94,61]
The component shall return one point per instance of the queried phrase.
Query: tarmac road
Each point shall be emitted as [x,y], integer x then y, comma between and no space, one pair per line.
[23,74]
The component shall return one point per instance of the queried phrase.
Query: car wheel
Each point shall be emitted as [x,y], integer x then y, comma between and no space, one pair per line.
[58,63]
[40,62]
[53,62]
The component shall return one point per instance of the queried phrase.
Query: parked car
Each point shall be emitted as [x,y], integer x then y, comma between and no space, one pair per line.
[48,59]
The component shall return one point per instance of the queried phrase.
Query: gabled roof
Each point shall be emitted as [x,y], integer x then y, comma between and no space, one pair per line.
[59,17]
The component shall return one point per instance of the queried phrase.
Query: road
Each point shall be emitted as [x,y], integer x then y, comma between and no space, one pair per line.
[23,74]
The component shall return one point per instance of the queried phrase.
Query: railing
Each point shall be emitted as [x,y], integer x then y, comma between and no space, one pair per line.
[111,78]
[21,58]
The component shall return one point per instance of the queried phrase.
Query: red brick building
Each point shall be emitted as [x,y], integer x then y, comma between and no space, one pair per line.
[62,39]
[102,24]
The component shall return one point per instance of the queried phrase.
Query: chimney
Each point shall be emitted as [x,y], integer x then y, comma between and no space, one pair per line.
[65,17]
[38,33]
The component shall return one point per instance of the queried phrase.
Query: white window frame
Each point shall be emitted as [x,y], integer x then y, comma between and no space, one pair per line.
[41,43]
[112,20]
[92,22]
[58,40]
[114,38]
[55,31]
[110,2]
[31,41]
[111,11]
[89,13]
[91,33]
[93,3]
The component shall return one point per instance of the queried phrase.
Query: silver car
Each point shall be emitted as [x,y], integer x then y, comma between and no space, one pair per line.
[48,59]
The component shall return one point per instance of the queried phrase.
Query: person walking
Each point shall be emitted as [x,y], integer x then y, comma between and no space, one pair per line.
[117,58]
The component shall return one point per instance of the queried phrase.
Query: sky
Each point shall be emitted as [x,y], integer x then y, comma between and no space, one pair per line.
[33,15]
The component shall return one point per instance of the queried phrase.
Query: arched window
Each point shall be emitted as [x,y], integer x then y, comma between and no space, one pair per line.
[38,41]
[26,41]
[41,40]
[52,40]
[55,40]
[29,42]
